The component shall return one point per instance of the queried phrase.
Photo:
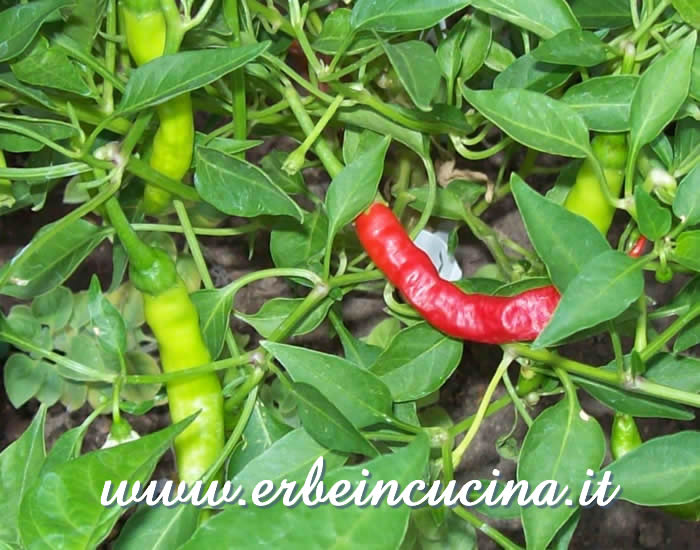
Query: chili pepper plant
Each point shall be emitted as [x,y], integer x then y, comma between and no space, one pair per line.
[322,138]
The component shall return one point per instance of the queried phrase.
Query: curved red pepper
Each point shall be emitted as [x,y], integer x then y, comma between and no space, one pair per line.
[474,317]
[638,247]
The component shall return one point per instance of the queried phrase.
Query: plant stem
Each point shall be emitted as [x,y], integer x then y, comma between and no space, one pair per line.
[235,436]
[458,453]
[493,408]
[492,533]
[321,147]
[674,328]
[638,385]
[238,76]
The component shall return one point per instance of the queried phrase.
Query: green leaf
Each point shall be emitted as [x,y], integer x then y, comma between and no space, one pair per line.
[158,527]
[655,103]
[367,119]
[476,45]
[8,80]
[417,362]
[300,245]
[35,270]
[357,351]
[534,119]
[324,526]
[276,310]
[362,397]
[529,73]
[687,251]
[272,165]
[228,146]
[449,51]
[450,200]
[327,425]
[565,242]
[418,70]
[261,431]
[290,458]
[20,464]
[562,443]
[499,57]
[50,129]
[661,471]
[401,15]
[604,288]
[172,75]
[54,308]
[238,188]
[596,14]
[654,220]
[214,309]
[543,17]
[106,324]
[64,503]
[20,24]
[48,66]
[675,371]
[686,144]
[603,101]
[354,188]
[356,142]
[694,91]
[572,47]
[687,201]
[631,403]
[689,11]
[335,31]
[688,337]
[23,378]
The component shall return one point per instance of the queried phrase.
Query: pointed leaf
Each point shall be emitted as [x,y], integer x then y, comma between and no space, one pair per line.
[543,17]
[172,75]
[565,242]
[19,25]
[327,425]
[418,70]
[536,120]
[325,526]
[362,397]
[662,471]
[20,464]
[605,287]
[238,188]
[562,443]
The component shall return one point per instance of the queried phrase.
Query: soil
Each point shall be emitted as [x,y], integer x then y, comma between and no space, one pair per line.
[620,526]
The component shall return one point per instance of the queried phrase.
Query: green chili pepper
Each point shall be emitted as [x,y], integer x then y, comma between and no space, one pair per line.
[586,197]
[145,29]
[624,436]
[146,33]
[173,318]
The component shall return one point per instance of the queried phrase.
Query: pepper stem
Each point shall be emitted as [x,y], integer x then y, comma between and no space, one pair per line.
[140,254]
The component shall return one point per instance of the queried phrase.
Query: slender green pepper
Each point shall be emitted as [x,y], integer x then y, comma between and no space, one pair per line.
[173,318]
[586,197]
[146,33]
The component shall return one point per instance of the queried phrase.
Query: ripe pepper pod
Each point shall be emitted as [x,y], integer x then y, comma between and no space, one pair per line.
[474,317]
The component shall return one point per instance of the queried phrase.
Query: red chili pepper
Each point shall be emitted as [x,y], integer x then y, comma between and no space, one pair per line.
[475,317]
[638,249]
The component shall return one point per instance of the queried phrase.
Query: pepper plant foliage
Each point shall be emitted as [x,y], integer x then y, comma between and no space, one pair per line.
[401,101]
